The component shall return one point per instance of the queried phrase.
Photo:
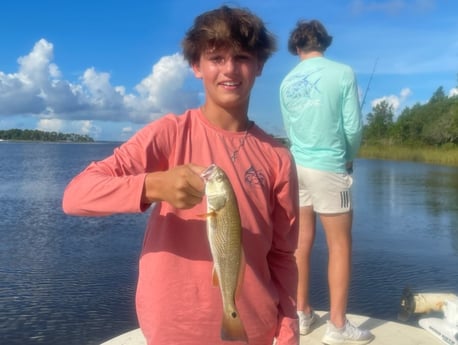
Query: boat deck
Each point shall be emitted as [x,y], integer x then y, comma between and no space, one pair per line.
[386,333]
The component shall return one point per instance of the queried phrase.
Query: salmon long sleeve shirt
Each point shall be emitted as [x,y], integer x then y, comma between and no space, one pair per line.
[176,302]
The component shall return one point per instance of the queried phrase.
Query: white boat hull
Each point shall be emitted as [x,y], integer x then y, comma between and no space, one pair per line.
[386,333]
[441,329]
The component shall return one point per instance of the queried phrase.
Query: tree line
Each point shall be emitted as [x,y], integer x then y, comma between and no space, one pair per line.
[37,135]
[432,124]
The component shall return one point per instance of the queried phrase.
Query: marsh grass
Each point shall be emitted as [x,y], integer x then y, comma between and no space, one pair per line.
[442,156]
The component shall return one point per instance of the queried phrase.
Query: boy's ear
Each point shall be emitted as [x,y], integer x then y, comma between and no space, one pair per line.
[196,70]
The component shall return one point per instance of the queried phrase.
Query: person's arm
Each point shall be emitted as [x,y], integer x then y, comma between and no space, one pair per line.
[281,258]
[112,185]
[132,178]
[351,112]
[94,192]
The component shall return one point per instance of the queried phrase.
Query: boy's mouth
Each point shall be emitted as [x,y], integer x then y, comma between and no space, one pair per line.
[230,84]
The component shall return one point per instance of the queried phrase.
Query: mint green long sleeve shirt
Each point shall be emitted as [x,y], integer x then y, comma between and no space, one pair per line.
[321,114]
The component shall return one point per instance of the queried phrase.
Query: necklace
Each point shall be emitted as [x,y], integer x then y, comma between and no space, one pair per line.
[242,142]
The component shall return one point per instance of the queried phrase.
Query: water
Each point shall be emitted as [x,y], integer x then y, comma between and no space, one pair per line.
[71,280]
[64,280]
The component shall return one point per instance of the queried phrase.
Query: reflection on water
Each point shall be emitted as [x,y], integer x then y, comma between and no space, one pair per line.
[71,280]
[414,199]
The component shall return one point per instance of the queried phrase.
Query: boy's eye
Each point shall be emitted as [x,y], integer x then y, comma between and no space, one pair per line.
[217,59]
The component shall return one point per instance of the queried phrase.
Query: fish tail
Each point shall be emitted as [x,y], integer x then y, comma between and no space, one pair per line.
[232,328]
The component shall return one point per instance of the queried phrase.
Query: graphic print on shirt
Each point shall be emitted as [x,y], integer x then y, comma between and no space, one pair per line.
[301,89]
[253,177]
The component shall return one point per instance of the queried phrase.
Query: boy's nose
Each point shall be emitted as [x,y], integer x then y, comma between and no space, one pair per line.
[229,65]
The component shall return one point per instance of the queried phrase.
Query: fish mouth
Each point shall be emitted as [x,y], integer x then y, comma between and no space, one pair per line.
[208,172]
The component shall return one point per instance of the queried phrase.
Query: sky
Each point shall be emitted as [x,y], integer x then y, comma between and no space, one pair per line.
[106,68]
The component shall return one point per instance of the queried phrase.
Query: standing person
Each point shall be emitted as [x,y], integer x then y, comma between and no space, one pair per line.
[321,113]
[161,165]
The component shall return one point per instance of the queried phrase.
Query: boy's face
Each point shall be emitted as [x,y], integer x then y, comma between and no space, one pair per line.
[227,76]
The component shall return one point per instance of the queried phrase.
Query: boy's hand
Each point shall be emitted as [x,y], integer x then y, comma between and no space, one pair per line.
[182,186]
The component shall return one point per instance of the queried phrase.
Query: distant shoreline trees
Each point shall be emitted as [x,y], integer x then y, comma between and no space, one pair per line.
[424,133]
[37,135]
[432,124]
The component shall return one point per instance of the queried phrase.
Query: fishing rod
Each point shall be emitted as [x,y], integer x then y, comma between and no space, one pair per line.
[368,84]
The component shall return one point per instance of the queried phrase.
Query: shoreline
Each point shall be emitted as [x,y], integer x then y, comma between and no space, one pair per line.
[428,155]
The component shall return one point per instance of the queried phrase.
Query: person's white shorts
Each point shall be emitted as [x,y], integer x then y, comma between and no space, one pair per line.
[327,192]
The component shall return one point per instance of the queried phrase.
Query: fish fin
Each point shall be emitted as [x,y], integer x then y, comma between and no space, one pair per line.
[238,289]
[207,215]
[215,280]
[232,328]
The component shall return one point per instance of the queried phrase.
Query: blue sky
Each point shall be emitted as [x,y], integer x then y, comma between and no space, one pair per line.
[107,67]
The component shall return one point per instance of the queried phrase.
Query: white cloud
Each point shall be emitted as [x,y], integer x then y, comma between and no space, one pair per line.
[127,130]
[396,101]
[85,127]
[406,92]
[37,89]
[50,125]
[453,92]
[36,67]
[162,91]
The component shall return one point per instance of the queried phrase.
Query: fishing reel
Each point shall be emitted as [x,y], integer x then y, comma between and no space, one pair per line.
[422,303]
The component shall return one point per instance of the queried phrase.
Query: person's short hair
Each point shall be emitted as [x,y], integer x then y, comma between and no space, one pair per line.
[227,27]
[309,36]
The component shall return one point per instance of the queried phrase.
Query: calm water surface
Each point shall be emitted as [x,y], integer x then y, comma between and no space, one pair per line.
[71,280]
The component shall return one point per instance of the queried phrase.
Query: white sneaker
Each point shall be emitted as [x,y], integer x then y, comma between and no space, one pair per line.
[346,335]
[306,321]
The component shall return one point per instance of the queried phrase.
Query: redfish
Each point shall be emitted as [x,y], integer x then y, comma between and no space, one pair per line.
[224,231]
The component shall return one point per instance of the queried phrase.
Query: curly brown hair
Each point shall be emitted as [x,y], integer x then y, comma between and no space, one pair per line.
[309,36]
[228,27]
